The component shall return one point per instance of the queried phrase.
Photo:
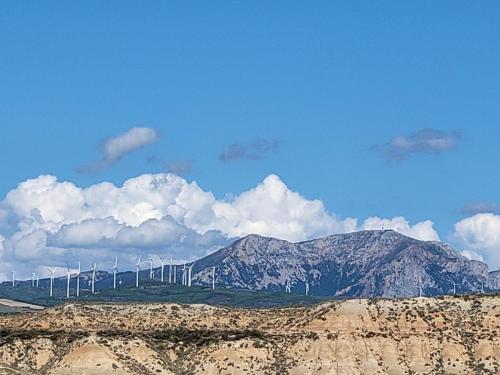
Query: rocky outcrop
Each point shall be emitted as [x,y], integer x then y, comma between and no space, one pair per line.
[446,335]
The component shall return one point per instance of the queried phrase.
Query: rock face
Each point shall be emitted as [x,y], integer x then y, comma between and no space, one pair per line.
[360,264]
[446,335]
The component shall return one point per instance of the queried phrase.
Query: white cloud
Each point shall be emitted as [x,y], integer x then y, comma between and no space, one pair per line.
[271,209]
[115,148]
[58,222]
[481,233]
[472,255]
[423,230]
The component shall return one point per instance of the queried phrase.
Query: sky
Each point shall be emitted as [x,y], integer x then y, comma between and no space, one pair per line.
[282,118]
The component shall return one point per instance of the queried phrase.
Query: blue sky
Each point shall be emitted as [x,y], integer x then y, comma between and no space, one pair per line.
[320,90]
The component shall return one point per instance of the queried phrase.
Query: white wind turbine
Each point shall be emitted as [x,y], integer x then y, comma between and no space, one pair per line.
[454,287]
[94,268]
[137,268]
[420,291]
[115,269]
[162,267]
[33,276]
[13,279]
[190,274]
[184,275]
[307,288]
[175,274]
[213,278]
[37,280]
[52,272]
[78,280]
[170,271]
[68,274]
[151,273]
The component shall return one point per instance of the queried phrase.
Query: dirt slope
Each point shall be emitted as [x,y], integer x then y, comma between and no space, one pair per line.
[404,336]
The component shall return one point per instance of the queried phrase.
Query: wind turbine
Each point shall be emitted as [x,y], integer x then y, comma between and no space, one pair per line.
[137,268]
[115,269]
[170,271]
[307,288]
[151,273]
[52,272]
[94,267]
[190,273]
[213,278]
[482,287]
[68,273]
[13,279]
[184,275]
[78,280]
[37,280]
[454,287]
[162,267]
[420,291]
[175,274]
[33,275]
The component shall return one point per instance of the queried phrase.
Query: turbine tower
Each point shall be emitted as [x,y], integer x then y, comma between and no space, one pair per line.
[420,291]
[137,268]
[184,276]
[162,267]
[13,279]
[52,272]
[175,274]
[115,269]
[68,274]
[213,278]
[78,280]
[170,271]
[307,288]
[454,287]
[94,267]
[190,274]
[151,273]
[37,280]
[482,287]
[33,276]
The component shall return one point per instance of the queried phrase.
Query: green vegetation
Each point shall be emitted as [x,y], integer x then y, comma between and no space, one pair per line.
[156,292]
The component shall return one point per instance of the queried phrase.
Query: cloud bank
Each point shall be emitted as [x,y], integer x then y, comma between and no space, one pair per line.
[50,223]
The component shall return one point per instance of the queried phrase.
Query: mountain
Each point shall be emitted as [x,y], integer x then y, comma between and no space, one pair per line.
[380,263]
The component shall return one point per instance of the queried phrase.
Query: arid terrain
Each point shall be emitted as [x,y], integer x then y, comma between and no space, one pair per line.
[448,335]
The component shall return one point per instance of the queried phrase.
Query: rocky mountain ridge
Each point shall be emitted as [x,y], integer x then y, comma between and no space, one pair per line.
[360,264]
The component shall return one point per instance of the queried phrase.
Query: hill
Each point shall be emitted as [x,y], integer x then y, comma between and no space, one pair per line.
[453,335]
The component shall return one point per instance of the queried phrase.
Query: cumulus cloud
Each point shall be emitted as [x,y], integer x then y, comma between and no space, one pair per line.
[423,230]
[57,222]
[481,234]
[251,151]
[423,141]
[272,209]
[115,148]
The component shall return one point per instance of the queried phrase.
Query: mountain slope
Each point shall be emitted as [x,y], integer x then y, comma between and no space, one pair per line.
[360,264]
